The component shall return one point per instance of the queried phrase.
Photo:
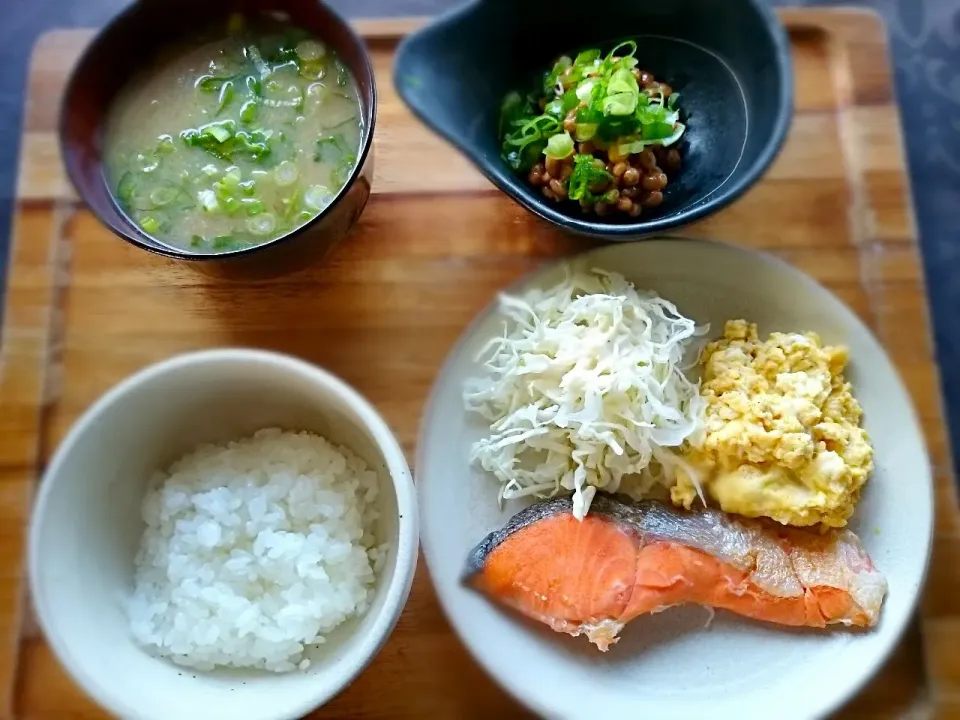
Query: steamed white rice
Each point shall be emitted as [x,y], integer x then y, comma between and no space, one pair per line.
[254,550]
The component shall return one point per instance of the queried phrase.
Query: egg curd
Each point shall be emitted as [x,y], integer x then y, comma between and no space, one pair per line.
[782,432]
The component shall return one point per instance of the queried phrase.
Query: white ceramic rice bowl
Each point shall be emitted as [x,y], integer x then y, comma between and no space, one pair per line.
[669,665]
[86,528]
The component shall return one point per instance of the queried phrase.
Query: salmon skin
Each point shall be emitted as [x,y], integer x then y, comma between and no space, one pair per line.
[626,559]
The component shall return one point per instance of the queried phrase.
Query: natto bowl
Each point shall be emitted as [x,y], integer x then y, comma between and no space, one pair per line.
[130,42]
[728,59]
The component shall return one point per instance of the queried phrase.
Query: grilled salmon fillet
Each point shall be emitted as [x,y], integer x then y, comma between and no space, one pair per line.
[626,559]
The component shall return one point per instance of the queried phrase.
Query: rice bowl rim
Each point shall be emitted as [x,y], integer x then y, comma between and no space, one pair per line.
[348,664]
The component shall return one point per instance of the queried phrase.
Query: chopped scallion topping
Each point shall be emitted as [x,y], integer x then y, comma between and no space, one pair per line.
[601,93]
[585,175]
[262,224]
[559,146]
[208,200]
[316,197]
[248,112]
[165,144]
[164,195]
[226,95]
[310,50]
[286,173]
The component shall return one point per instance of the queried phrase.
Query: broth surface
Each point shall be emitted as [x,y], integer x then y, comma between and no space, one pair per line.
[235,140]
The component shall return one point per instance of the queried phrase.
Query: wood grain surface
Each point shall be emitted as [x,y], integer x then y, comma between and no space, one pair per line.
[84,309]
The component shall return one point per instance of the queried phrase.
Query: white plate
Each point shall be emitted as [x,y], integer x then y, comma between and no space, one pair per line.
[669,665]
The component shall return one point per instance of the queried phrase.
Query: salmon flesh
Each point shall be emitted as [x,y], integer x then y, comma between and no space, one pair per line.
[625,559]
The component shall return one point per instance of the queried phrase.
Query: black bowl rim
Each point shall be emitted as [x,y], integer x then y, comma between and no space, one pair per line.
[716,199]
[166,251]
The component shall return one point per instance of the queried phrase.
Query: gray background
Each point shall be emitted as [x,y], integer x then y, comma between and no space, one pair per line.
[924,35]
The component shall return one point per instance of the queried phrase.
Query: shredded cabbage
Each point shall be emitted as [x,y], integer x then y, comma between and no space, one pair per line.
[586,391]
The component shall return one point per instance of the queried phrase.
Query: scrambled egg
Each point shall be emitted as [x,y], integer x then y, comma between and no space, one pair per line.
[782,436]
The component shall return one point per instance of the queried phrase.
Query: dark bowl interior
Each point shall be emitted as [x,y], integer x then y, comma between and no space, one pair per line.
[132,42]
[729,60]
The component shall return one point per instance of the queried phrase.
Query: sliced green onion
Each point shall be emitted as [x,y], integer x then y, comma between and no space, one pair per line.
[584,131]
[165,144]
[341,172]
[197,241]
[316,197]
[587,57]
[634,144]
[232,177]
[226,95]
[253,85]
[227,187]
[330,148]
[622,81]
[248,187]
[248,112]
[253,206]
[208,200]
[677,133]
[221,131]
[150,224]
[210,170]
[534,129]
[164,195]
[657,131]
[585,90]
[209,83]
[555,108]
[626,44]
[585,175]
[126,187]
[286,173]
[559,146]
[620,104]
[310,50]
[262,224]
[230,204]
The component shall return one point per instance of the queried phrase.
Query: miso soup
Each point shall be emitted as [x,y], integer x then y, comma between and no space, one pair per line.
[236,140]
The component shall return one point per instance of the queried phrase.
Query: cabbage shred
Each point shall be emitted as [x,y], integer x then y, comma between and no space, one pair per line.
[586,391]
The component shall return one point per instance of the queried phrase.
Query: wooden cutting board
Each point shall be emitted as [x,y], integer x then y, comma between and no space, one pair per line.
[84,309]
